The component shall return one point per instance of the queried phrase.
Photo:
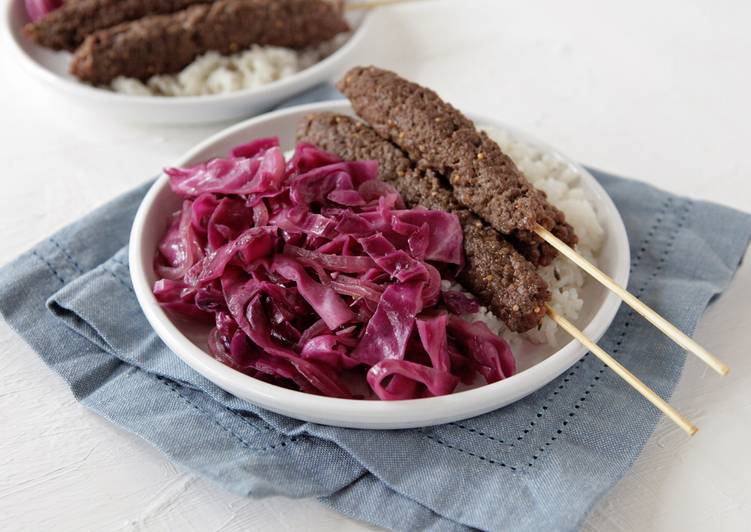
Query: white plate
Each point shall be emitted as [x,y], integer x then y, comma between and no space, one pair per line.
[51,68]
[537,366]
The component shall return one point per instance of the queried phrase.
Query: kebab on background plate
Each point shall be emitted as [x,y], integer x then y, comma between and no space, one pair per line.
[149,46]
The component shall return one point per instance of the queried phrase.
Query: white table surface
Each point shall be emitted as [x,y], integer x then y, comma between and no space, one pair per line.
[660,91]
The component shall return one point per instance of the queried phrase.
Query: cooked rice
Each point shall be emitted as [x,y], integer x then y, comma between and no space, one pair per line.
[213,73]
[560,183]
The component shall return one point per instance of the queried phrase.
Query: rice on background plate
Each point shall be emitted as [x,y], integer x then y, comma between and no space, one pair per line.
[564,278]
[213,73]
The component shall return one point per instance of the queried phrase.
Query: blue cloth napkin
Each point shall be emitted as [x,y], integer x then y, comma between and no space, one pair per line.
[539,464]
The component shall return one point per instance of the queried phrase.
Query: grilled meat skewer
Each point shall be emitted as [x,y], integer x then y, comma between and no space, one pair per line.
[66,27]
[495,272]
[438,137]
[165,44]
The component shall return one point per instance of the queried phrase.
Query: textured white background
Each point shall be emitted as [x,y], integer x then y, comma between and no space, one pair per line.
[655,90]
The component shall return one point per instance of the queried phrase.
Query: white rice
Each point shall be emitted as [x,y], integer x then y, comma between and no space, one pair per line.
[213,73]
[561,184]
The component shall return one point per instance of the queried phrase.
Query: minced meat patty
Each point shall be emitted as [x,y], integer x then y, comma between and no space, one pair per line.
[353,141]
[165,44]
[66,27]
[437,136]
[494,272]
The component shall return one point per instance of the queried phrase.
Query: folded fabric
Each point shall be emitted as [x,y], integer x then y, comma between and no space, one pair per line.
[538,464]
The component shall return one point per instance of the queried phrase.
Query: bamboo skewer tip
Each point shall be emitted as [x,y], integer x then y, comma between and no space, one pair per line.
[623,373]
[372,4]
[670,330]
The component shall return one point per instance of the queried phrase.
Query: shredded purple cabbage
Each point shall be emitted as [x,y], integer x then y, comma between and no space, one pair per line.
[317,278]
[37,9]
[459,303]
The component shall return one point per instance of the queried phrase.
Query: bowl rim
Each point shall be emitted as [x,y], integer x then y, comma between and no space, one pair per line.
[13,34]
[352,412]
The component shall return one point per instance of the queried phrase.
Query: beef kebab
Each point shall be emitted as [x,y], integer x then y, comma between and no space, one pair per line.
[440,138]
[165,44]
[494,272]
[66,27]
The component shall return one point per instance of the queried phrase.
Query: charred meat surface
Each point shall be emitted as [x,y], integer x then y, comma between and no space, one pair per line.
[67,27]
[165,44]
[437,136]
[495,272]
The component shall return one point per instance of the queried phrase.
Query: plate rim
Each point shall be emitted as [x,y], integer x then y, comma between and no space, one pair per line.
[355,413]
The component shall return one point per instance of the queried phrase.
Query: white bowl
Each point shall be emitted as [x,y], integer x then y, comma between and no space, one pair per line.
[537,366]
[51,68]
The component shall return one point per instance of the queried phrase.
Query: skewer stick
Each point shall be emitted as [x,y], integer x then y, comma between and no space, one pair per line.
[650,315]
[623,373]
[372,4]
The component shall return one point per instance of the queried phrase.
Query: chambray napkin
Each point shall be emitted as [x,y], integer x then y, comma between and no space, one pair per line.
[538,464]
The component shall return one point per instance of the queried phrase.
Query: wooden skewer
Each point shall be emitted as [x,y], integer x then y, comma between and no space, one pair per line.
[372,4]
[623,373]
[650,315]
